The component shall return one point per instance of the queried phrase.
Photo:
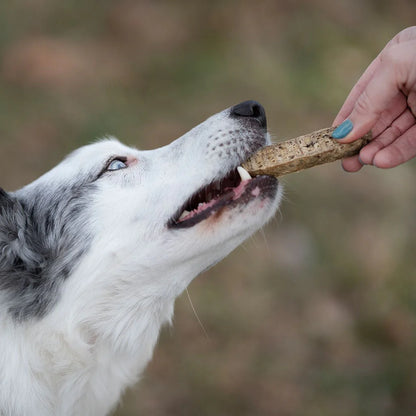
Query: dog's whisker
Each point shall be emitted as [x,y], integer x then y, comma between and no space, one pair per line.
[196,316]
[266,243]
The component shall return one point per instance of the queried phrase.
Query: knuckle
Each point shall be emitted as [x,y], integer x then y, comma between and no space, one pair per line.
[363,105]
[411,103]
[383,122]
[389,56]
[398,61]
[395,130]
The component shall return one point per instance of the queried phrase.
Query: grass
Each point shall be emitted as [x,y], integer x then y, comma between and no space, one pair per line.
[318,316]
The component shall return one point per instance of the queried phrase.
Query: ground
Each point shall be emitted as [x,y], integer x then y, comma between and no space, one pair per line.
[316,314]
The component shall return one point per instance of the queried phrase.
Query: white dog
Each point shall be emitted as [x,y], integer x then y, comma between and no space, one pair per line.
[94,253]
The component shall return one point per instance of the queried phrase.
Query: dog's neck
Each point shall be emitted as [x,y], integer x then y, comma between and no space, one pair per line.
[69,367]
[95,342]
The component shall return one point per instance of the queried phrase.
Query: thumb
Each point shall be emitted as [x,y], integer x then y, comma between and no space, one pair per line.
[373,101]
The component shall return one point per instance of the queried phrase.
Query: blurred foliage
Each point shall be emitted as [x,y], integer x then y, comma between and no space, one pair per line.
[316,315]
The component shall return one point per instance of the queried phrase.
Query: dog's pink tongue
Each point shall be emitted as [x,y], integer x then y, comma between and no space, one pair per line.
[201,207]
[236,193]
[240,189]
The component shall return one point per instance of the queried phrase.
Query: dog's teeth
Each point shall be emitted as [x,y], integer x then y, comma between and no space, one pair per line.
[244,175]
[184,214]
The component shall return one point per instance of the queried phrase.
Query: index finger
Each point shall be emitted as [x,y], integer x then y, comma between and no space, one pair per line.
[356,91]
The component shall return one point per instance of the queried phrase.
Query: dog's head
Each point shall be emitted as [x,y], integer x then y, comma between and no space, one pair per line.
[115,224]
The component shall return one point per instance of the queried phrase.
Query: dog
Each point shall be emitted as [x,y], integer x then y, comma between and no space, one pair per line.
[94,253]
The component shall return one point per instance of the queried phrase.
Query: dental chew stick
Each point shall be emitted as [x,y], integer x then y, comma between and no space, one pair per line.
[302,152]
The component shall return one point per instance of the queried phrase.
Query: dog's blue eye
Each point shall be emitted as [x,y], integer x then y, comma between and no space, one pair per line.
[116,164]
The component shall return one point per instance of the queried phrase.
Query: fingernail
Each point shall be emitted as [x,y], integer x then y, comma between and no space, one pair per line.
[343,129]
[361,162]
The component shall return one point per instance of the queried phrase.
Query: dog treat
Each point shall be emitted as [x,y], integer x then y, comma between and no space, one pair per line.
[302,152]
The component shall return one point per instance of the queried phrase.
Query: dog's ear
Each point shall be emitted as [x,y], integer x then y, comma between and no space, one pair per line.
[6,202]
[9,209]
[12,225]
[20,259]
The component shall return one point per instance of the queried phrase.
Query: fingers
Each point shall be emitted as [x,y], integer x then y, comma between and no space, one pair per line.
[406,35]
[395,75]
[411,102]
[352,164]
[387,137]
[384,101]
[382,152]
[397,106]
[398,152]
[357,90]
[373,101]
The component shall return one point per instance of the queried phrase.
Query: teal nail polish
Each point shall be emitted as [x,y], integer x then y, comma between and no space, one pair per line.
[343,129]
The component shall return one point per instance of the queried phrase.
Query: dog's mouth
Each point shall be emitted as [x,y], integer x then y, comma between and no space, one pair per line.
[238,187]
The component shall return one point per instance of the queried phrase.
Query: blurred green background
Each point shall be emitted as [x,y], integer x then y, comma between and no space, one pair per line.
[314,316]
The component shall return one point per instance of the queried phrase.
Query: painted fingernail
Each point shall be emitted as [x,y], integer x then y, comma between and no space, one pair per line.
[343,129]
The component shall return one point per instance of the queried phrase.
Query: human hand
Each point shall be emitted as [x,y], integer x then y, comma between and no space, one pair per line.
[384,101]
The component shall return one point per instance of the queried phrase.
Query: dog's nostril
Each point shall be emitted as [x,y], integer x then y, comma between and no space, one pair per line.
[250,109]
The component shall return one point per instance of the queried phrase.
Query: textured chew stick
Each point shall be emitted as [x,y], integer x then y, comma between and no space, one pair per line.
[302,153]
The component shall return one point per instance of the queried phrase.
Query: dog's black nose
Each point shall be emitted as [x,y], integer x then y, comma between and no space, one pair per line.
[250,109]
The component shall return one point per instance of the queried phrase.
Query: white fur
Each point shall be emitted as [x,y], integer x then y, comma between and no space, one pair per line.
[98,337]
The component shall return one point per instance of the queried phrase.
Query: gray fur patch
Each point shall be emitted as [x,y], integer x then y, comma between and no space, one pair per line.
[43,233]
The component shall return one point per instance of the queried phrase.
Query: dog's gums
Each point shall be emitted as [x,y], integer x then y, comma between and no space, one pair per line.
[237,187]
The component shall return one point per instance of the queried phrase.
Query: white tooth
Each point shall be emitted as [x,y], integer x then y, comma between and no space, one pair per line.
[184,214]
[244,175]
